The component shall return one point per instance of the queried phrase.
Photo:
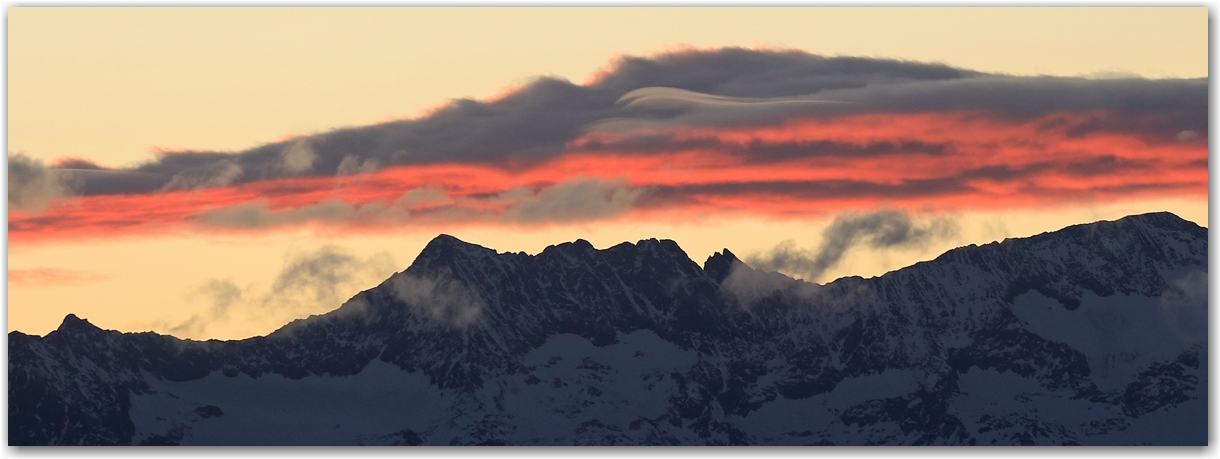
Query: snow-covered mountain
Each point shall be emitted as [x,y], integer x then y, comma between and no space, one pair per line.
[1095,334]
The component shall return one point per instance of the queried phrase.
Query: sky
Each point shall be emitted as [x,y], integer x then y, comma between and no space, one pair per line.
[216,173]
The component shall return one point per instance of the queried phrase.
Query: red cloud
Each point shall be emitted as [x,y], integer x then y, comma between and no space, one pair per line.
[957,160]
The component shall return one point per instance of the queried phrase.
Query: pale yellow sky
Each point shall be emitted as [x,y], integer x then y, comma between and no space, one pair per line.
[112,84]
[152,282]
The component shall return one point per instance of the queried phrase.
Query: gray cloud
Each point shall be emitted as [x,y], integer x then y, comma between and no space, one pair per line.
[76,163]
[752,286]
[218,173]
[675,98]
[1155,109]
[257,214]
[428,195]
[1184,305]
[251,215]
[878,230]
[221,294]
[318,275]
[730,86]
[297,157]
[760,151]
[573,200]
[662,195]
[440,296]
[754,289]
[1188,136]
[352,165]
[309,283]
[32,186]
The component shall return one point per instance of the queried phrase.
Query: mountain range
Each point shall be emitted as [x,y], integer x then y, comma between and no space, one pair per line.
[1095,334]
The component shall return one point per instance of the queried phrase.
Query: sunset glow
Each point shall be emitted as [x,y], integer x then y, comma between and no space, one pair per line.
[714,144]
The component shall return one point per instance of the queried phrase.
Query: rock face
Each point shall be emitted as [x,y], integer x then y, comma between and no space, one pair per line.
[1095,334]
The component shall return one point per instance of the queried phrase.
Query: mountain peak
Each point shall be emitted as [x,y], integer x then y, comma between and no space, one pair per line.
[665,246]
[445,240]
[446,250]
[668,244]
[652,246]
[1166,220]
[720,264]
[72,324]
[1135,228]
[579,245]
[71,319]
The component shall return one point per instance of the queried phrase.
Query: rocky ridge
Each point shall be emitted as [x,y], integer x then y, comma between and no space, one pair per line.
[1087,335]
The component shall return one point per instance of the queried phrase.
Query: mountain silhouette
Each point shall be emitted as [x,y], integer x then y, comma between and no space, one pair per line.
[1094,334]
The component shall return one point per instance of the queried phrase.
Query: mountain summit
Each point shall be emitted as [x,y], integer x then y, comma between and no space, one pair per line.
[1094,334]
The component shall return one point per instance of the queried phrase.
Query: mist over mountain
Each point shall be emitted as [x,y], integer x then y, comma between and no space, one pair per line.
[1093,335]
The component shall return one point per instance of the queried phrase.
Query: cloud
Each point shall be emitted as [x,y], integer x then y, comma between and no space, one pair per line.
[1112,74]
[1184,305]
[730,129]
[258,215]
[220,294]
[32,186]
[721,87]
[1188,136]
[75,162]
[439,296]
[754,289]
[675,98]
[223,294]
[318,275]
[750,287]
[352,165]
[54,277]
[741,72]
[222,172]
[428,195]
[981,172]
[298,157]
[879,230]
[309,283]
[574,200]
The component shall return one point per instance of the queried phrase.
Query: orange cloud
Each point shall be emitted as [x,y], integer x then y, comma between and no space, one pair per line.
[955,160]
[54,277]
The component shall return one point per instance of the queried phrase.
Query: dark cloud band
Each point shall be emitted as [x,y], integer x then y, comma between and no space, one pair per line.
[725,87]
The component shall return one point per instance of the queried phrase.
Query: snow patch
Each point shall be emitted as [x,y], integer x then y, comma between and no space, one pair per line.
[1119,334]
[274,410]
